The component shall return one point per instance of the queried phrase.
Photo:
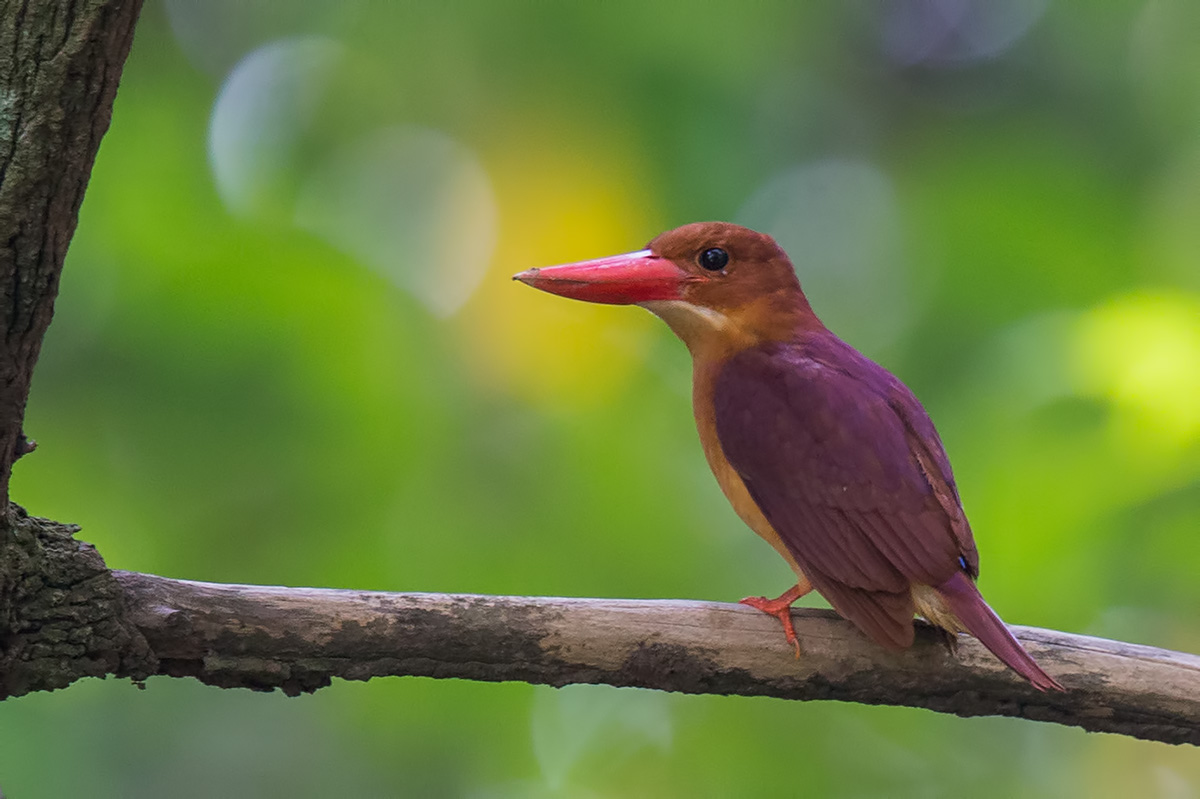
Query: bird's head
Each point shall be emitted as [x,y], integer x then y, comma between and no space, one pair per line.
[712,282]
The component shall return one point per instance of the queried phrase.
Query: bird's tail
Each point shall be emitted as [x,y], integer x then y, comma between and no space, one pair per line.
[967,604]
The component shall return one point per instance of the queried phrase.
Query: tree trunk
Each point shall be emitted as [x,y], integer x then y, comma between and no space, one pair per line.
[61,612]
[60,62]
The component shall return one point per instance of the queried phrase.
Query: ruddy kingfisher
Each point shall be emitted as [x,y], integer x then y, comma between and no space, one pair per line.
[823,453]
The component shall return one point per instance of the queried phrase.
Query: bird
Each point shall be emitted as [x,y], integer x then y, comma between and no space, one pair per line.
[823,453]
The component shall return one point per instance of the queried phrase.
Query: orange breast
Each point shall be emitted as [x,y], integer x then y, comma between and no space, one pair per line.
[703,381]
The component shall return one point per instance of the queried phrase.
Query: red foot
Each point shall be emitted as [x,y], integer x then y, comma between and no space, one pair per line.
[780,608]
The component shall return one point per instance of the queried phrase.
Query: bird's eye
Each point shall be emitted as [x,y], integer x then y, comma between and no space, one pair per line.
[714,259]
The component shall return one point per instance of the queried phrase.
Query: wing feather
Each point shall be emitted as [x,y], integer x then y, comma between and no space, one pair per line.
[844,463]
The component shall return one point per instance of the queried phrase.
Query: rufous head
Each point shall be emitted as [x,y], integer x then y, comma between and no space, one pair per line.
[706,279]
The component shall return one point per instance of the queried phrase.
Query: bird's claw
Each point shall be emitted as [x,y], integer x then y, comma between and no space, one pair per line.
[781,610]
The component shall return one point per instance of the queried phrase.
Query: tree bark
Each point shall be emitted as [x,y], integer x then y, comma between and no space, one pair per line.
[298,639]
[61,613]
[60,61]
[69,617]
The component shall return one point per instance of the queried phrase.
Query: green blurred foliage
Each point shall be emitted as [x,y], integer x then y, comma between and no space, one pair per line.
[254,378]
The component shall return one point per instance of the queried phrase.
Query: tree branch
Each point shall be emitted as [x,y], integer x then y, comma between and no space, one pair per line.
[298,639]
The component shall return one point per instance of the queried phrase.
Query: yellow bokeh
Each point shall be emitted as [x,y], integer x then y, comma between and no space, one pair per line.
[1142,351]
[561,200]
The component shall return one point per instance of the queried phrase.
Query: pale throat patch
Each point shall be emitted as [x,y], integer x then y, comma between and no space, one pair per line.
[689,321]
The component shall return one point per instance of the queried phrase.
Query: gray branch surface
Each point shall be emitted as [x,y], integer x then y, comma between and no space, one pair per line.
[298,639]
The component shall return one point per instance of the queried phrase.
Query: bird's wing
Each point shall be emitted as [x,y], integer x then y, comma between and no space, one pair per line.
[846,466]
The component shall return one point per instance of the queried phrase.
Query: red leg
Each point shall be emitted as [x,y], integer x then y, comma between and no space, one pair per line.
[781,608]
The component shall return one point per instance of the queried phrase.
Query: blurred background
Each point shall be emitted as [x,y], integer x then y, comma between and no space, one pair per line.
[287,351]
